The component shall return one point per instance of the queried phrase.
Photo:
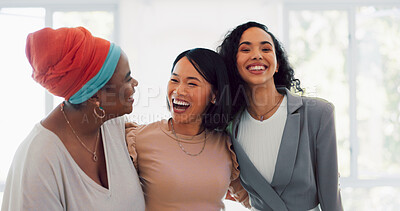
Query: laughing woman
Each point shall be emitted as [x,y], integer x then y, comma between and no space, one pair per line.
[285,143]
[76,157]
[184,163]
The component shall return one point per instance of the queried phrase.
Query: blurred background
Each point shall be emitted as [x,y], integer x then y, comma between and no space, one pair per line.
[344,51]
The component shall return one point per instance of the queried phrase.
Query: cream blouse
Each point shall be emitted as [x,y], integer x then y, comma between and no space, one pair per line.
[173,180]
[45,177]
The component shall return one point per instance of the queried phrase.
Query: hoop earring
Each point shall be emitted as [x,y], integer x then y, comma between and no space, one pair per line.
[103,113]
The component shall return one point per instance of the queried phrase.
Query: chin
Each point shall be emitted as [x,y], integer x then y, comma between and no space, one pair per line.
[179,118]
[127,111]
[183,118]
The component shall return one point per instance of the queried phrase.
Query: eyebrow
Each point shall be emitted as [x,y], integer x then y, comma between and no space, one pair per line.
[249,43]
[128,75]
[189,78]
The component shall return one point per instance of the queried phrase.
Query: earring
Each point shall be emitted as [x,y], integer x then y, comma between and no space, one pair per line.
[103,113]
[214,101]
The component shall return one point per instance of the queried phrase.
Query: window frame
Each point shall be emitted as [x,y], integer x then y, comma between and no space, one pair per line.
[353,179]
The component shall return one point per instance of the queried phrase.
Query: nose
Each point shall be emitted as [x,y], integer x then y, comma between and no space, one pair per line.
[256,54]
[180,89]
[134,82]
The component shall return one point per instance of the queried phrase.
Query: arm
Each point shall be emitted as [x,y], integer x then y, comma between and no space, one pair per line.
[33,184]
[130,137]
[326,162]
[236,192]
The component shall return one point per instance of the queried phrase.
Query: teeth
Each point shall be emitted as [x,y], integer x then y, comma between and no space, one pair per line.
[257,68]
[181,103]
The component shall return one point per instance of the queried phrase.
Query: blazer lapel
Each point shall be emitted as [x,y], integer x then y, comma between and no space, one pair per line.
[252,177]
[289,144]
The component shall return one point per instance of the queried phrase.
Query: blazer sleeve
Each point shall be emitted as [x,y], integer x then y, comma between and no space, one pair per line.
[326,162]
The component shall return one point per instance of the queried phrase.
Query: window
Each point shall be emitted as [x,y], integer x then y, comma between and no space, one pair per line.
[21,93]
[347,55]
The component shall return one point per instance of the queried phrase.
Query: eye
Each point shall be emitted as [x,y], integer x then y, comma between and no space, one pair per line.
[174,80]
[266,49]
[192,84]
[245,50]
[129,79]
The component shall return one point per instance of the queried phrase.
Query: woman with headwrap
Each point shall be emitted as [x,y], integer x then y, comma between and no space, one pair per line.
[76,158]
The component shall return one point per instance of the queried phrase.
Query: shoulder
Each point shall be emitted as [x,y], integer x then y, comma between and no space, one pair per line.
[39,152]
[134,130]
[40,140]
[221,136]
[313,105]
[118,122]
[141,129]
[317,106]
[154,125]
[317,112]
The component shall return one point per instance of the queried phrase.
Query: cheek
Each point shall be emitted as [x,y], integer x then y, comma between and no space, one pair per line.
[203,97]
[126,91]
[170,89]
[240,59]
[274,62]
[240,62]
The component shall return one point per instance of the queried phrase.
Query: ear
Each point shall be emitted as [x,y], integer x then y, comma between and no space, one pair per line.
[277,67]
[95,99]
[213,98]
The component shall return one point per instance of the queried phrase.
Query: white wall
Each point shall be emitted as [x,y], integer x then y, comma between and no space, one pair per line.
[53,2]
[153,33]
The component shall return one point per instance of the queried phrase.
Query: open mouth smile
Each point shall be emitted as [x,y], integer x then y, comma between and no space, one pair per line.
[179,105]
[130,99]
[256,68]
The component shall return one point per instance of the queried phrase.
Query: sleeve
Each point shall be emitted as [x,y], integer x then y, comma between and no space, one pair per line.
[131,129]
[236,192]
[326,162]
[34,183]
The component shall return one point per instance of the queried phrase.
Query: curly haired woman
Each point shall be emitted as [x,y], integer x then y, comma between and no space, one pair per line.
[285,143]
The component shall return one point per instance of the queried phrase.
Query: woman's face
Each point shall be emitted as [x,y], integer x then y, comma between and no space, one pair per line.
[256,59]
[116,96]
[188,93]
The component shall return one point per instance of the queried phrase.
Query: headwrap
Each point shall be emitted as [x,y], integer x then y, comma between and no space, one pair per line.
[70,62]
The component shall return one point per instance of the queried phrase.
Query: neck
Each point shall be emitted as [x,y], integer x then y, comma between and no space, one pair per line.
[82,120]
[189,129]
[262,98]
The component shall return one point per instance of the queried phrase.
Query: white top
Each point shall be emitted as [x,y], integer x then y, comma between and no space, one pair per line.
[44,176]
[261,140]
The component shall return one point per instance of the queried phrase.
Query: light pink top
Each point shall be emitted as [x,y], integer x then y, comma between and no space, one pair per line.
[173,180]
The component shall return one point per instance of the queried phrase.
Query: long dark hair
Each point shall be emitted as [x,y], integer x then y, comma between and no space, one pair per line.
[211,67]
[228,50]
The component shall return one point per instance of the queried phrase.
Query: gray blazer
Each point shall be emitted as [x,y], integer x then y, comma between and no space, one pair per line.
[306,171]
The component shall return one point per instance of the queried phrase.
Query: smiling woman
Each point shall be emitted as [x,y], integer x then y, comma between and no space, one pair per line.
[285,143]
[174,157]
[100,20]
[188,93]
[83,137]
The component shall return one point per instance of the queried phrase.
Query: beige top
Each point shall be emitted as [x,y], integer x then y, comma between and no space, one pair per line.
[44,176]
[173,180]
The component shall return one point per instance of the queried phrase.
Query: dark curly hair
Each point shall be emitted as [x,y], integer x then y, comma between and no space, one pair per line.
[228,50]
